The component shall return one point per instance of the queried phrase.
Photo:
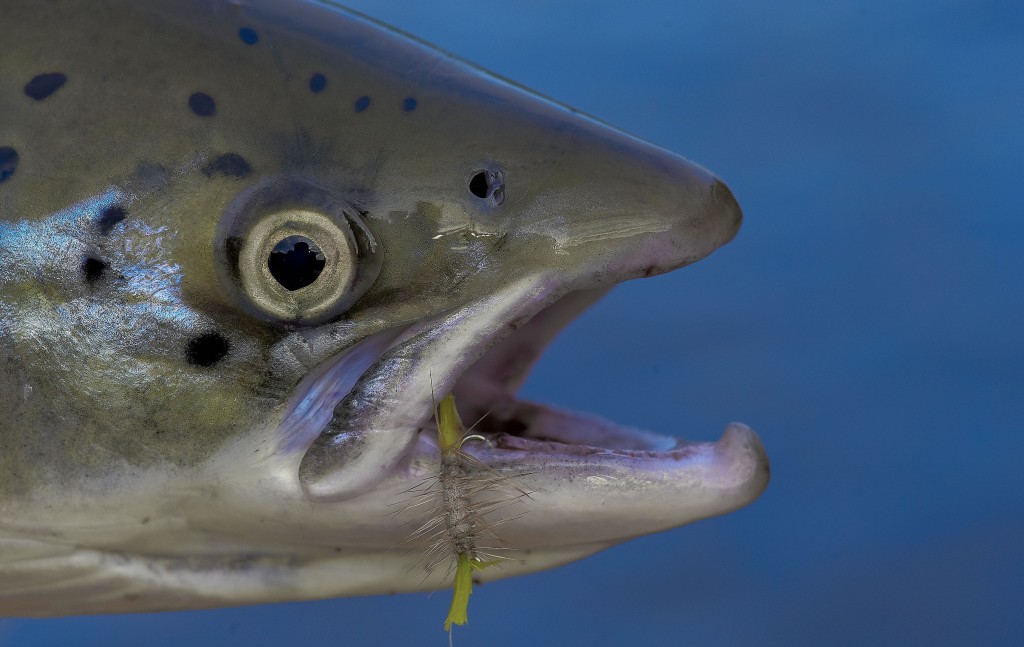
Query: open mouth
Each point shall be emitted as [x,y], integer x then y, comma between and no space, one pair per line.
[482,353]
[486,391]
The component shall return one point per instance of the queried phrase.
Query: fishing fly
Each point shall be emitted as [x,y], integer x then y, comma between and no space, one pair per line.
[463,492]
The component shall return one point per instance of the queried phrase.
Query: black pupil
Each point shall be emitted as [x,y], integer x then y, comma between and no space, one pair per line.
[296,262]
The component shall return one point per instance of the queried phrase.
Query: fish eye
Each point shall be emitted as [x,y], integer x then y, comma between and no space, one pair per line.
[488,185]
[294,254]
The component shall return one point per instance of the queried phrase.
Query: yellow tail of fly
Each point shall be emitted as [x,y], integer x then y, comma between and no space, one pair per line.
[457,612]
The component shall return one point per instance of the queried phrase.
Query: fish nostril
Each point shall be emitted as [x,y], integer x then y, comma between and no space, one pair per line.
[295,262]
[489,185]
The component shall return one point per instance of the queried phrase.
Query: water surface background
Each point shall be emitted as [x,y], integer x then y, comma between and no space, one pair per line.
[867,321]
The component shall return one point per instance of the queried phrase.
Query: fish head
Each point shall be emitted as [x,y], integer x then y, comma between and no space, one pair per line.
[225,322]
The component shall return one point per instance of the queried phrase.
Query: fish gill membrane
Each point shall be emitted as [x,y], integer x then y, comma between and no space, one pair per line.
[243,243]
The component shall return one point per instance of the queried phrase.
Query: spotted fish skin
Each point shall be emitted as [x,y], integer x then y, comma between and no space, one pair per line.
[172,438]
[162,115]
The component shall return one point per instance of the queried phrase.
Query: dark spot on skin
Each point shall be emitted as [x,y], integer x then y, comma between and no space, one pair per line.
[317,83]
[145,520]
[650,270]
[93,269]
[228,165]
[44,85]
[8,162]
[150,175]
[202,104]
[362,103]
[110,217]
[409,104]
[248,35]
[296,262]
[207,349]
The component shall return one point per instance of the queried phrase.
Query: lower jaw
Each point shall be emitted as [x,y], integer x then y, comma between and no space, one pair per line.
[586,495]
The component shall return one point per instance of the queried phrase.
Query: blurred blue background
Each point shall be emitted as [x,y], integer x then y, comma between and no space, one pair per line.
[867,322]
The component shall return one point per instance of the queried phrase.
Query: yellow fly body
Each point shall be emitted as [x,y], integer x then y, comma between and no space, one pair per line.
[450,431]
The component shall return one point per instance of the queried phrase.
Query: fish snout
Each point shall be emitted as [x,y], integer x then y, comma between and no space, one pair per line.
[701,216]
[724,209]
[666,213]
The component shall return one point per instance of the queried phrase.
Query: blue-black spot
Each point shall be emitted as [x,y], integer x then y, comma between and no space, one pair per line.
[202,104]
[228,165]
[150,175]
[248,35]
[44,85]
[409,104]
[317,83]
[93,269]
[110,217]
[207,349]
[362,103]
[8,162]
